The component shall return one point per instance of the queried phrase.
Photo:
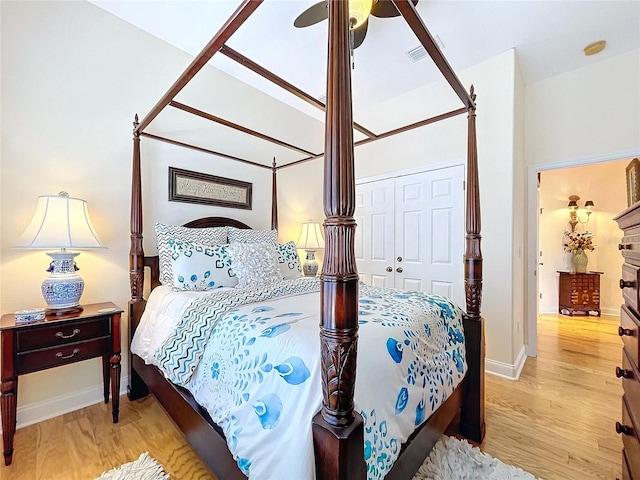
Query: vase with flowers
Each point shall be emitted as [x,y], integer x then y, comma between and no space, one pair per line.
[576,244]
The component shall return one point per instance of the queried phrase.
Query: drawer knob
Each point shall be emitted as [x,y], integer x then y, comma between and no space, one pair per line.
[389,269]
[624,373]
[624,331]
[624,246]
[623,429]
[75,332]
[399,270]
[61,355]
[627,283]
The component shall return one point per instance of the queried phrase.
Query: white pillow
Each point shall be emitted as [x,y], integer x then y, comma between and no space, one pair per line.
[246,235]
[166,233]
[288,261]
[200,267]
[254,263]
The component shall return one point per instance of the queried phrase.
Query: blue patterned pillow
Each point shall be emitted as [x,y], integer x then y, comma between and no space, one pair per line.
[288,261]
[242,235]
[168,233]
[200,267]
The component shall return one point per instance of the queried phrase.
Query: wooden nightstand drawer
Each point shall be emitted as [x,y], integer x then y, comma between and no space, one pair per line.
[35,360]
[628,331]
[62,333]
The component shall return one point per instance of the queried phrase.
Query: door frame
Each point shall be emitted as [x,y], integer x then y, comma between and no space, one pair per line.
[531,329]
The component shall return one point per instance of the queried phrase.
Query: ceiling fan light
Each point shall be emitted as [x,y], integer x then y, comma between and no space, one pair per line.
[359,11]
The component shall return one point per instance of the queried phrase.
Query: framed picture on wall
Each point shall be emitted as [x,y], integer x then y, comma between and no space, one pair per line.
[195,187]
[633,182]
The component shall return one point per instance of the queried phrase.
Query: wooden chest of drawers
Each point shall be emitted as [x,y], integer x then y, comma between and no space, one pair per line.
[629,331]
[579,293]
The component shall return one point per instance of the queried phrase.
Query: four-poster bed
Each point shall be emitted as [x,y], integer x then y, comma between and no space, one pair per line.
[337,428]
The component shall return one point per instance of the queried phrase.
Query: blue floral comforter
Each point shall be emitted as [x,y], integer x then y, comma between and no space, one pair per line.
[251,358]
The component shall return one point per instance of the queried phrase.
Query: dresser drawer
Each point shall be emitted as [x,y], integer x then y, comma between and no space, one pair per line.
[629,330]
[629,285]
[630,439]
[62,333]
[61,355]
[626,474]
[630,383]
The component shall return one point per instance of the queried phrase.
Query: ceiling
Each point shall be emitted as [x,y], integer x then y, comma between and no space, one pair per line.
[548,36]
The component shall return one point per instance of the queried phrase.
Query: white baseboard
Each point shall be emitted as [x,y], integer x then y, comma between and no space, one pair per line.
[506,370]
[53,407]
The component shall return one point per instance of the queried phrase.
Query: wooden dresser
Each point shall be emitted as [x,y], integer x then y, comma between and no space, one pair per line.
[629,331]
[579,293]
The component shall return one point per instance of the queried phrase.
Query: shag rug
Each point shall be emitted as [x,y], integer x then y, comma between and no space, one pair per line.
[453,459]
[450,459]
[144,468]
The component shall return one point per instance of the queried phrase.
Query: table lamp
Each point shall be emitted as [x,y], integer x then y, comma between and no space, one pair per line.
[310,240]
[62,222]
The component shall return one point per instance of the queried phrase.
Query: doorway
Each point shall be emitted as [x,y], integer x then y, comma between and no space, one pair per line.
[602,181]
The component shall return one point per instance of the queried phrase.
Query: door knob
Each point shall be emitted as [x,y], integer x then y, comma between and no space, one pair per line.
[399,259]
[389,269]
[399,269]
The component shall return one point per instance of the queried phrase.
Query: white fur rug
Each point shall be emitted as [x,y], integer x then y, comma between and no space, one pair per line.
[453,459]
[144,468]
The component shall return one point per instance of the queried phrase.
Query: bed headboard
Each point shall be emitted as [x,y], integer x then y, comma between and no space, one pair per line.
[152,262]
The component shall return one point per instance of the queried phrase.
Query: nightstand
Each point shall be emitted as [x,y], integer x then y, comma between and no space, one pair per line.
[57,340]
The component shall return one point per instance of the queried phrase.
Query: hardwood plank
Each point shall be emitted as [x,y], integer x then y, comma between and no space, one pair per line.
[557,421]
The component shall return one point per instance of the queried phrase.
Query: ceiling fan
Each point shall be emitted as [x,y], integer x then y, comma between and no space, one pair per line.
[359,15]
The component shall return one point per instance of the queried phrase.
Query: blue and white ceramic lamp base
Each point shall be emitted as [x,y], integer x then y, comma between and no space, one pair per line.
[63,288]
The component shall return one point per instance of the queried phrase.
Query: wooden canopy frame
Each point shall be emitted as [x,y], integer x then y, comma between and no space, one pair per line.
[337,428]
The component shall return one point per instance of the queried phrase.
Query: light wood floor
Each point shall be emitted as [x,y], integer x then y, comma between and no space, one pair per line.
[557,421]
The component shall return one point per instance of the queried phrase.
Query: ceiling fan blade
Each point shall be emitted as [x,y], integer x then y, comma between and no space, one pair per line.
[386,8]
[312,15]
[359,34]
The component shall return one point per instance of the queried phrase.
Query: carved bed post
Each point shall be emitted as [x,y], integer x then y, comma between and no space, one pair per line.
[472,423]
[274,196]
[337,429]
[137,388]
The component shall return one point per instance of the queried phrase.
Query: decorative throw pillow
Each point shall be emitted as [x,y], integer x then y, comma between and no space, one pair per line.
[241,235]
[288,261]
[254,263]
[166,233]
[200,267]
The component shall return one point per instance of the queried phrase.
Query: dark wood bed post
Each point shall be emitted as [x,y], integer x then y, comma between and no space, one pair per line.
[338,430]
[274,196]
[472,424]
[137,387]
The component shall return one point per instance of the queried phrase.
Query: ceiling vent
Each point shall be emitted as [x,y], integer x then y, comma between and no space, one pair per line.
[417,53]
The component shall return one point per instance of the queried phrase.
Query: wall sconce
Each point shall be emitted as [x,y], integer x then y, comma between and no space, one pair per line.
[574,219]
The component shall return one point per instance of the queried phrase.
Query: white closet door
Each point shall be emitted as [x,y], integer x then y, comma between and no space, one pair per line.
[374,233]
[429,226]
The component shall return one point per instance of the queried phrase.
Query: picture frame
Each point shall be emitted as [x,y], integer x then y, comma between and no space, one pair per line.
[201,188]
[633,182]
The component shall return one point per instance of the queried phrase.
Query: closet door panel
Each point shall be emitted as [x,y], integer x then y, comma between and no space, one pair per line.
[374,233]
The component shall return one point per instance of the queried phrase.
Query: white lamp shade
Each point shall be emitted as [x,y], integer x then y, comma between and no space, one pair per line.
[60,221]
[359,11]
[310,236]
